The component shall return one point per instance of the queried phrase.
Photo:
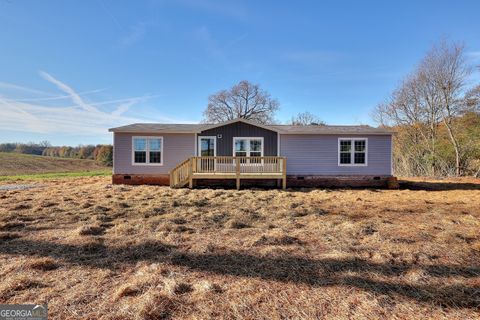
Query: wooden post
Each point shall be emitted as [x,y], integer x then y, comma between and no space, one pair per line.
[190,174]
[284,170]
[237,162]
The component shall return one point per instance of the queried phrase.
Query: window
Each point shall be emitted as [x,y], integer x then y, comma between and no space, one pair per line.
[248,147]
[360,152]
[155,150]
[240,148]
[147,150]
[140,150]
[345,151]
[352,151]
[255,148]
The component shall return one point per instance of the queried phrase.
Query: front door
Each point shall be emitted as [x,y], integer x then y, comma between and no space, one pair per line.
[207,147]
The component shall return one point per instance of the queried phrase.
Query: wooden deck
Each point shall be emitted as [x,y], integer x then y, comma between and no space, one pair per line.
[226,167]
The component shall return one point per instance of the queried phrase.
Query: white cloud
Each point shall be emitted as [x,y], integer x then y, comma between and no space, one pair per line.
[65,88]
[123,107]
[17,88]
[59,97]
[82,118]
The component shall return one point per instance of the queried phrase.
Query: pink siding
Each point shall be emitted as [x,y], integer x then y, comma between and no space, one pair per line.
[176,148]
[318,155]
[306,154]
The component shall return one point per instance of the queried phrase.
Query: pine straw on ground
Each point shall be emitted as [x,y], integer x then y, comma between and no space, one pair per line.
[96,251]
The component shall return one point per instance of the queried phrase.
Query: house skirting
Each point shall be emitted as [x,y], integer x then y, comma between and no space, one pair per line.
[293,181]
[139,179]
[366,181]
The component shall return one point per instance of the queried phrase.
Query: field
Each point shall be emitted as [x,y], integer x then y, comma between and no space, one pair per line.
[25,165]
[97,251]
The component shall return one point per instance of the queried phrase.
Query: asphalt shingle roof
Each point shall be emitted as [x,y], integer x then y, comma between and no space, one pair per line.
[160,127]
[329,129]
[283,129]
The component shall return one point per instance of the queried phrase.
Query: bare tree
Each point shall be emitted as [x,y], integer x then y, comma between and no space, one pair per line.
[432,97]
[414,108]
[472,99]
[447,73]
[244,100]
[305,119]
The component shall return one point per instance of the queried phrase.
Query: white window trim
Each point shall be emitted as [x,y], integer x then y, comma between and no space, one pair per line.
[195,152]
[352,153]
[248,148]
[147,163]
[278,144]
[199,145]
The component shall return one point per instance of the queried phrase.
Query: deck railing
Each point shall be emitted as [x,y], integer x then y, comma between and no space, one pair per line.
[180,175]
[227,167]
[226,164]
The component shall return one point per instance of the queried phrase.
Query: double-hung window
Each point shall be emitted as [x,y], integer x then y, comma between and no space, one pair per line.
[352,151]
[248,147]
[147,151]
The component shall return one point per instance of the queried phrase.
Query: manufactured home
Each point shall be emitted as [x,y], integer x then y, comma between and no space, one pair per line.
[241,152]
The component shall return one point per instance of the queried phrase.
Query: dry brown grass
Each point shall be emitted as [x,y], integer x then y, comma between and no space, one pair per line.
[96,251]
[22,164]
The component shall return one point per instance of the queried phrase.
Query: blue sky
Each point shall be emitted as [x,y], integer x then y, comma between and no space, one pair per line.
[71,69]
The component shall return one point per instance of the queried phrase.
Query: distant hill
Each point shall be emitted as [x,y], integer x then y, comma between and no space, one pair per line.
[22,164]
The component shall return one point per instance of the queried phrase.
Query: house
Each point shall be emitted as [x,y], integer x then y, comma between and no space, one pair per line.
[241,151]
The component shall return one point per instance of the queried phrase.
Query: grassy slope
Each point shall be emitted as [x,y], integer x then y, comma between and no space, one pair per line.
[160,253]
[23,165]
[54,175]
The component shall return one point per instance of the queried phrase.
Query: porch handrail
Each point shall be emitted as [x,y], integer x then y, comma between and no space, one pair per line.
[180,175]
[232,166]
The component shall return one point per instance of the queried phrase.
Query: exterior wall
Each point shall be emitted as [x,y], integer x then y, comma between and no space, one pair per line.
[241,129]
[318,155]
[176,148]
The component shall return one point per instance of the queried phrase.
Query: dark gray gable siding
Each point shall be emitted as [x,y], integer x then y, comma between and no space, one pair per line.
[241,129]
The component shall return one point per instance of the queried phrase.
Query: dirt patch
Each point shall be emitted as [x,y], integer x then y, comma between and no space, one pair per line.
[91,231]
[9,187]
[43,264]
[277,241]
[12,225]
[4,236]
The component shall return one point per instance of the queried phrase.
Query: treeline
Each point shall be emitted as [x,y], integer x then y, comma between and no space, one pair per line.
[101,153]
[26,148]
[436,113]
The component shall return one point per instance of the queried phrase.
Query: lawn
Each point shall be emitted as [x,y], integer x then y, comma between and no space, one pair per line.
[53,175]
[97,251]
[23,165]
